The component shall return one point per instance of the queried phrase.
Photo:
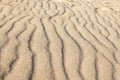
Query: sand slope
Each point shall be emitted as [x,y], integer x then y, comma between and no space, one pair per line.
[59,40]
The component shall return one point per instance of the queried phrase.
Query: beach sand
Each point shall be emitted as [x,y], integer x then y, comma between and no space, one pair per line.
[59,40]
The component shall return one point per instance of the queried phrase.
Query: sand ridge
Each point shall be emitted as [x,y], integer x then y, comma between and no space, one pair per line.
[59,40]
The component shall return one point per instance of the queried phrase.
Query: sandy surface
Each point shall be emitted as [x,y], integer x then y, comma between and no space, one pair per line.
[59,40]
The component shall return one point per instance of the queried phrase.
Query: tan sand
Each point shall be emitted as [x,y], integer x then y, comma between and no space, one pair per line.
[59,40]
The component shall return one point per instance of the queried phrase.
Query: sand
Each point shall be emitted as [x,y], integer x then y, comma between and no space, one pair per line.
[59,40]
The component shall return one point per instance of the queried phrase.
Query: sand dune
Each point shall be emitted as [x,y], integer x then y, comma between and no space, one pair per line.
[59,40]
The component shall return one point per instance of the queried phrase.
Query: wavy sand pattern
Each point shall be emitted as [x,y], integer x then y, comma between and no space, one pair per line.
[59,40]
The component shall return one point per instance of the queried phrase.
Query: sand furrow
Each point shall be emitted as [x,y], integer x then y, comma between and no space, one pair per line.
[33,54]
[55,23]
[86,57]
[13,43]
[81,56]
[48,47]
[19,62]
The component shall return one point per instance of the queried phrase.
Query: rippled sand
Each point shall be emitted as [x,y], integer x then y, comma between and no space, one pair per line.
[59,40]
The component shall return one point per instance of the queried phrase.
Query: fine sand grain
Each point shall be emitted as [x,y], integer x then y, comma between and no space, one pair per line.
[59,40]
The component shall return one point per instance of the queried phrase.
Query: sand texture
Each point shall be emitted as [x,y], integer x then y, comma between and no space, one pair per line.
[59,39]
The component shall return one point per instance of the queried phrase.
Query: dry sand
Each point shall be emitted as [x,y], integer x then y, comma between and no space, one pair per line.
[59,40]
